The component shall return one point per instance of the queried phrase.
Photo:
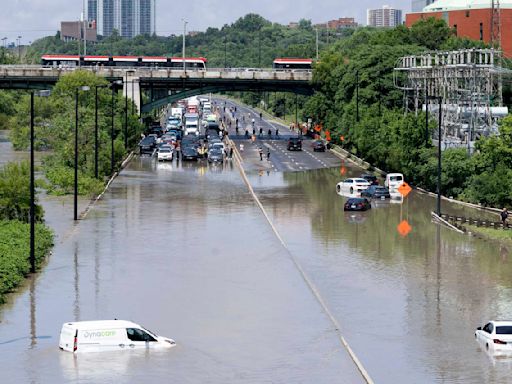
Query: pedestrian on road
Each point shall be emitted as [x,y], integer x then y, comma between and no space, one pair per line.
[277,132]
[504,216]
[235,109]
[268,154]
[237,121]
[241,147]
[269,133]
[260,150]
[231,152]
[246,133]
[261,131]
[261,116]
[236,129]
[254,131]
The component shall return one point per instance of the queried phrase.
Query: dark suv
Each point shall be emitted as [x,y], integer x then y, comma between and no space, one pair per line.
[294,144]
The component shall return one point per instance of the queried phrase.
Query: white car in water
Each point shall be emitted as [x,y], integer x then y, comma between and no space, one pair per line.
[165,153]
[496,336]
[109,335]
[351,186]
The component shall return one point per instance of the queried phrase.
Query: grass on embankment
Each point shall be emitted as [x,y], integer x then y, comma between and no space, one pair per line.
[15,252]
[502,235]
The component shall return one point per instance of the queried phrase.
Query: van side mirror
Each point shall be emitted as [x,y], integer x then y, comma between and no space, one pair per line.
[479,329]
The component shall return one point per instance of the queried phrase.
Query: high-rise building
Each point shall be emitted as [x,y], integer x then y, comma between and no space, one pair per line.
[129,17]
[384,17]
[418,5]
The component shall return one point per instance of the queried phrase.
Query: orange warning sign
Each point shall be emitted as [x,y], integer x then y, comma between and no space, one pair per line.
[343,171]
[328,135]
[342,138]
[404,189]
[404,228]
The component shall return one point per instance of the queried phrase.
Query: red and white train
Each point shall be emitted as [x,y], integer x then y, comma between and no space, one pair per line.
[292,64]
[191,63]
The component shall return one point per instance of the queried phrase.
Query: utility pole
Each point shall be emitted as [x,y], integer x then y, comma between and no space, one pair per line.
[259,48]
[357,95]
[84,18]
[183,49]
[316,29]
[225,51]
[19,48]
[440,101]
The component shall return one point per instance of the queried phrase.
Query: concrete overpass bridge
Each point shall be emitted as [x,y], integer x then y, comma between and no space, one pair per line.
[152,88]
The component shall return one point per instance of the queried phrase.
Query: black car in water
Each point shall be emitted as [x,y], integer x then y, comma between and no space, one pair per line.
[372,179]
[294,144]
[189,152]
[357,204]
[318,146]
[376,192]
[147,145]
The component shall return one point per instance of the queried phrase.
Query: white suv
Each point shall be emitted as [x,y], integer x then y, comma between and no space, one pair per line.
[351,186]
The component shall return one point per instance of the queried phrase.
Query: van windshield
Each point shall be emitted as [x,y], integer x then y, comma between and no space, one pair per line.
[135,334]
[395,178]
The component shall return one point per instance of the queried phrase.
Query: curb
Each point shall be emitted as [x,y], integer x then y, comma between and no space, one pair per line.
[93,201]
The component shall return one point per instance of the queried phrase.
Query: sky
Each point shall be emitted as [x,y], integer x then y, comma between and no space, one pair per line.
[33,19]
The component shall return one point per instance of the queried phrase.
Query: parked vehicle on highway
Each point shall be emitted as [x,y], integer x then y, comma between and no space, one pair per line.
[215,155]
[372,179]
[318,146]
[496,336]
[109,335]
[165,153]
[394,180]
[294,144]
[354,185]
[357,204]
[376,192]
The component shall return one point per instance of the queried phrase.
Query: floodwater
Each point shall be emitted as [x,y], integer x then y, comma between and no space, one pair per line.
[408,306]
[183,250]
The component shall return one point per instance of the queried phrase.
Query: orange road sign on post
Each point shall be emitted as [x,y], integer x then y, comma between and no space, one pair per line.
[404,189]
[328,135]
[404,228]
[343,170]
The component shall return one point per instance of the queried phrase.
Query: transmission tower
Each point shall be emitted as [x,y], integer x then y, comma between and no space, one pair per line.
[495,24]
[467,81]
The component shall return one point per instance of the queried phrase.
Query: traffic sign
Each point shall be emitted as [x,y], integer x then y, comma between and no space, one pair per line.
[404,189]
[404,228]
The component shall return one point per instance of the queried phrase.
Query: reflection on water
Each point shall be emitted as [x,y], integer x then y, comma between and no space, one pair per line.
[415,299]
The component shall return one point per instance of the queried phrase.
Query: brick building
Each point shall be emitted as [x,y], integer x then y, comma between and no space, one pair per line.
[470,18]
[74,30]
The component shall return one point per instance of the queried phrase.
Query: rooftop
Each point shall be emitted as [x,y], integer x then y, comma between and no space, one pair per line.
[451,5]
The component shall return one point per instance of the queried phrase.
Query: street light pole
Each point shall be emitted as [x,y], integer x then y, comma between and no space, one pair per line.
[19,48]
[96,132]
[357,95]
[440,100]
[32,189]
[316,29]
[259,48]
[426,116]
[75,199]
[183,50]
[225,51]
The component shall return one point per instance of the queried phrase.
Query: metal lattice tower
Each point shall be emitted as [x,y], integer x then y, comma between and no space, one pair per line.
[469,83]
[495,24]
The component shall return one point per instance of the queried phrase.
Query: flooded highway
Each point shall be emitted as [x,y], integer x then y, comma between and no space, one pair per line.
[184,250]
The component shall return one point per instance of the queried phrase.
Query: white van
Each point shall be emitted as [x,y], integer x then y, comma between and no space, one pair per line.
[393,180]
[108,335]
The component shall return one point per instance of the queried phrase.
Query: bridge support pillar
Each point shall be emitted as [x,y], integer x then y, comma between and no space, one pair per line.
[131,88]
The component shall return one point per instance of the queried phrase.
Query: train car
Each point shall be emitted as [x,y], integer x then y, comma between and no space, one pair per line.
[292,64]
[197,63]
[56,61]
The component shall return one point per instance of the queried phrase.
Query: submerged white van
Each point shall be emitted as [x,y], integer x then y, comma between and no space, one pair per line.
[108,335]
[393,180]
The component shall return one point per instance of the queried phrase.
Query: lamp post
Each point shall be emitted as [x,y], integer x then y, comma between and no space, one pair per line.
[75,200]
[259,48]
[96,140]
[357,95]
[32,183]
[439,123]
[316,30]
[225,51]
[112,128]
[183,49]
[19,47]
[129,72]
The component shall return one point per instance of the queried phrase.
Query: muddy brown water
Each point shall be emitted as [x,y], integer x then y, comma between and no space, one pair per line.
[184,251]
